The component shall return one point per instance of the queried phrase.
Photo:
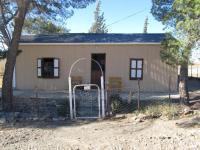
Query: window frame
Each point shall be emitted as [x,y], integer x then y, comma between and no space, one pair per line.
[136,69]
[41,67]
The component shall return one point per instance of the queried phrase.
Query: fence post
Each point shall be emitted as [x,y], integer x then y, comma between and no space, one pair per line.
[170,88]
[138,94]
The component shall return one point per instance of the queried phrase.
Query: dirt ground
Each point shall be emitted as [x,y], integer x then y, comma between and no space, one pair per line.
[124,133]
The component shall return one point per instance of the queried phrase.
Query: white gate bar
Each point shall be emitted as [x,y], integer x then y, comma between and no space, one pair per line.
[70,97]
[74,103]
[99,101]
[102,96]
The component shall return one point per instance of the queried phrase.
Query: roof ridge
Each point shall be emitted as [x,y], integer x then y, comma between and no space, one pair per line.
[93,38]
[92,34]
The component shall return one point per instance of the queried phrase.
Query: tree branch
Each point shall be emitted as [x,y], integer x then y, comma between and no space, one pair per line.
[3,25]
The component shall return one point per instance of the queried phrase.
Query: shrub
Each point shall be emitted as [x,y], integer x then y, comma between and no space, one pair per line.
[116,103]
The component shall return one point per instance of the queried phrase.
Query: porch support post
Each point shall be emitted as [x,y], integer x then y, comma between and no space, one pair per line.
[102,97]
[70,97]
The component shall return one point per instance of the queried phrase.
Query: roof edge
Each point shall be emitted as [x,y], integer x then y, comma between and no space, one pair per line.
[129,43]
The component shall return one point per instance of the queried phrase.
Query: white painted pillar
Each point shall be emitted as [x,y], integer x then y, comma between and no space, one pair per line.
[14,78]
[102,97]
[70,97]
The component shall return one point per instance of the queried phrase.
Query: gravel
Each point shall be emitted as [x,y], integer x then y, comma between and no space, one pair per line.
[125,133]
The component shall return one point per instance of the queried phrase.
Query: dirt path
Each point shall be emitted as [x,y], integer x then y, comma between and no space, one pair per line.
[119,134]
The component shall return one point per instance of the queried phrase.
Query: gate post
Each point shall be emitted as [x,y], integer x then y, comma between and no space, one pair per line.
[102,96]
[70,97]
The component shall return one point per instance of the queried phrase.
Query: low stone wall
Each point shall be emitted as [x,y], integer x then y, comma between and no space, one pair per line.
[38,109]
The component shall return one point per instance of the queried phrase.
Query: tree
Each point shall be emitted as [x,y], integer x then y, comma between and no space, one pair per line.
[42,26]
[12,16]
[181,17]
[99,25]
[145,25]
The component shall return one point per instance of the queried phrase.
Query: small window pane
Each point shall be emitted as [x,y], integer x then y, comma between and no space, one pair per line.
[139,64]
[56,72]
[133,64]
[139,73]
[39,63]
[133,73]
[39,72]
[56,63]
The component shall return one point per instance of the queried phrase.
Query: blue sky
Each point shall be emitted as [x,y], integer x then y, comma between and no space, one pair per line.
[114,10]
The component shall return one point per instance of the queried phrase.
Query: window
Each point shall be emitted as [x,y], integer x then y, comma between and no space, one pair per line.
[136,69]
[48,67]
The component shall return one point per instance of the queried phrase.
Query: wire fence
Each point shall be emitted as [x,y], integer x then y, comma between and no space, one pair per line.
[129,101]
[43,105]
[37,104]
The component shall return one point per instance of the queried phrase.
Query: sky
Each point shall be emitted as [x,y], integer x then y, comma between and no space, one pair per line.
[115,10]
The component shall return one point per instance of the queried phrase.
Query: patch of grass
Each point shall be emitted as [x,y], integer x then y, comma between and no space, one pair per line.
[170,111]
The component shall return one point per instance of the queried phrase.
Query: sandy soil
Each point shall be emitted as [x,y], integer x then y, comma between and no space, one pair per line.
[117,134]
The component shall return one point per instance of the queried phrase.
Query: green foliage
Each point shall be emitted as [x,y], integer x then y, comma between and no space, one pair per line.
[145,25]
[42,26]
[99,25]
[170,52]
[2,54]
[54,13]
[189,22]
[182,18]
[116,103]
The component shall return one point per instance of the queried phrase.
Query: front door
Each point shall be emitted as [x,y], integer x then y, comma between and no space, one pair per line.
[95,70]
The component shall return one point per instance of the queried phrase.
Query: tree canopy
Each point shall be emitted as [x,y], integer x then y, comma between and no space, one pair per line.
[53,11]
[41,26]
[99,25]
[181,17]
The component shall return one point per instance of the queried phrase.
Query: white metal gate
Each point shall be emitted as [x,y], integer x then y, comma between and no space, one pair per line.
[86,101]
[94,104]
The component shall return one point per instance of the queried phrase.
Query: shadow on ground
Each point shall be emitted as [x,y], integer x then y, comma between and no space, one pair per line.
[194,122]
[47,124]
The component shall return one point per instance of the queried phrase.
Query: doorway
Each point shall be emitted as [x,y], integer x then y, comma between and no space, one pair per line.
[95,71]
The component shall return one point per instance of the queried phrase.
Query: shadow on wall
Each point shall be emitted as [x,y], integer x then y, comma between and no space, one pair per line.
[163,76]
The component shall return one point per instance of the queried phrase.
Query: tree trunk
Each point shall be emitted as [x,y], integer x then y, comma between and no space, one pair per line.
[7,91]
[183,83]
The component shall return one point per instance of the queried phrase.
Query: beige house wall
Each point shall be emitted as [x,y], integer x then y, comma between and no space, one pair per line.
[155,78]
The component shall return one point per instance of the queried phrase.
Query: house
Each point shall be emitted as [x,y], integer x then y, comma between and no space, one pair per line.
[45,61]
